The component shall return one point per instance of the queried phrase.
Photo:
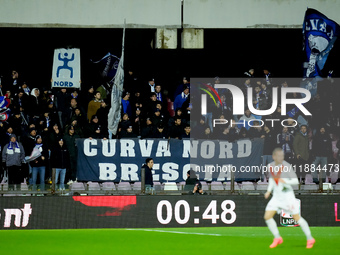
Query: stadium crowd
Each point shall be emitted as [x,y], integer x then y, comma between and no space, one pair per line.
[46,122]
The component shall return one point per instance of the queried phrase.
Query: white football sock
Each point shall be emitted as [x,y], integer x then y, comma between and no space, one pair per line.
[273,227]
[305,228]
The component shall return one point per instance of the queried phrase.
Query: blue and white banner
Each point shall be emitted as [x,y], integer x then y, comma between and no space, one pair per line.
[108,66]
[66,68]
[319,34]
[121,160]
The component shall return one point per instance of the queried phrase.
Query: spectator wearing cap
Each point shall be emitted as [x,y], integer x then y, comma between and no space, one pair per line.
[180,88]
[60,162]
[160,132]
[95,130]
[126,106]
[147,130]
[79,116]
[70,141]
[61,105]
[78,130]
[39,164]
[157,118]
[26,88]
[94,105]
[322,150]
[151,104]
[124,123]
[6,136]
[13,155]
[181,98]
[128,133]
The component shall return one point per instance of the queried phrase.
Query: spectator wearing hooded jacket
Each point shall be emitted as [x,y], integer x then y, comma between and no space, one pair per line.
[13,155]
[60,162]
[35,104]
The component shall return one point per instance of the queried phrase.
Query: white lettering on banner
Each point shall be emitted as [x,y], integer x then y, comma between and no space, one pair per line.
[107,171]
[190,148]
[114,160]
[88,151]
[146,147]
[244,148]
[129,172]
[109,148]
[24,212]
[154,175]
[127,148]
[163,149]
[207,149]
[170,171]
[226,150]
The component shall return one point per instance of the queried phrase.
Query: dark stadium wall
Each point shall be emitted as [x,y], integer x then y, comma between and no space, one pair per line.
[153,211]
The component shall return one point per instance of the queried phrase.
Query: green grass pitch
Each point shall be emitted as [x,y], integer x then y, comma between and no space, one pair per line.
[219,240]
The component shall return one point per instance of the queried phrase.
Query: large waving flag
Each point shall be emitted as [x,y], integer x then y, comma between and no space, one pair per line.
[319,34]
[108,66]
[116,94]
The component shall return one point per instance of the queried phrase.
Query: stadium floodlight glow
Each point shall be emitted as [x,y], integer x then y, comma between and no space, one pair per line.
[238,100]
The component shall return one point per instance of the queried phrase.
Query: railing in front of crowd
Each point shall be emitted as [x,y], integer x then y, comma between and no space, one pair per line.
[168,188]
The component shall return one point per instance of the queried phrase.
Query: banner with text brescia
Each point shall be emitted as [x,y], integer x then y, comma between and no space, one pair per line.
[66,68]
[212,160]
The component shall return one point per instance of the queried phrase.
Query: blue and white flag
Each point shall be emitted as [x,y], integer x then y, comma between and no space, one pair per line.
[319,35]
[116,93]
[108,66]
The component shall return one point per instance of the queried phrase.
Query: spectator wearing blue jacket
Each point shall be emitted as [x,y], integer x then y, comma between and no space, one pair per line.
[181,98]
[126,106]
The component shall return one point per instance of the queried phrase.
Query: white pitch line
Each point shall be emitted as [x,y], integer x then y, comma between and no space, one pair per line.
[174,232]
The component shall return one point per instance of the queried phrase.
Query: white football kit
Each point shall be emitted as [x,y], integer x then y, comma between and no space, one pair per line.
[283,193]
